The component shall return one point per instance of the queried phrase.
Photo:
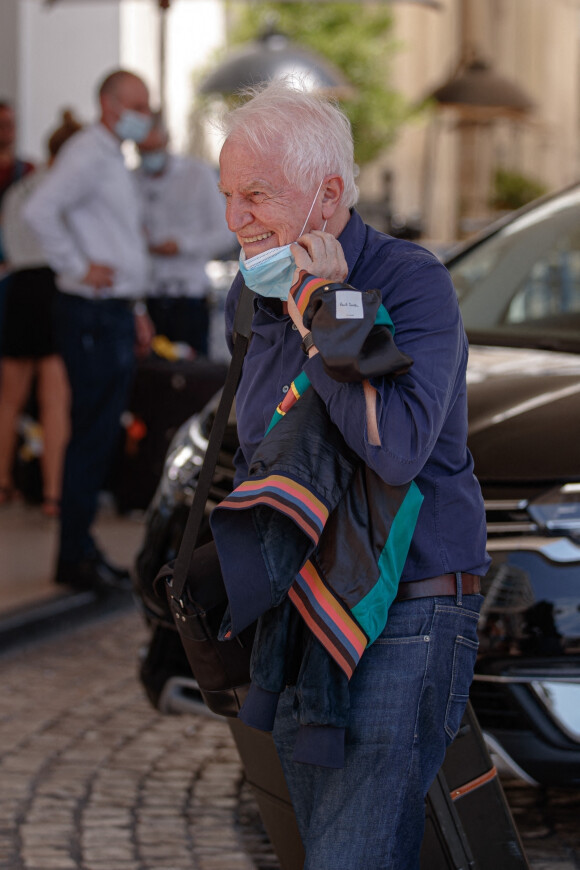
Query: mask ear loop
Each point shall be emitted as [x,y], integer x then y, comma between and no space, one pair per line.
[310,212]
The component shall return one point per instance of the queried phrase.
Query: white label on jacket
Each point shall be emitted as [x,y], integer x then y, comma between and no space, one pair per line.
[349,305]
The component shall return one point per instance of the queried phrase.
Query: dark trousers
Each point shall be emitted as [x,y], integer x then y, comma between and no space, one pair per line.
[181,319]
[96,340]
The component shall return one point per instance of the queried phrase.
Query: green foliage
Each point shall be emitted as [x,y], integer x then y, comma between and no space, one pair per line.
[511,190]
[357,39]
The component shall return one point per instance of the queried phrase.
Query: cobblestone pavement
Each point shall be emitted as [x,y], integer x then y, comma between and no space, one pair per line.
[92,778]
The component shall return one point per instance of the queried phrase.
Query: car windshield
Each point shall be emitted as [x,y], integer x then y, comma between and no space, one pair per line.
[521,285]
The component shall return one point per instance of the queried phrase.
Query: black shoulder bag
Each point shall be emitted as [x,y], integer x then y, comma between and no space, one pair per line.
[193,583]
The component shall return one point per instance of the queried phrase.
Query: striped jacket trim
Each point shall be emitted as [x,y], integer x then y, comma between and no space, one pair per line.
[328,619]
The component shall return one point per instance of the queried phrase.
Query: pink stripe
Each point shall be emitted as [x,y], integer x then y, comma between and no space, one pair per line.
[309,529]
[288,401]
[307,291]
[337,616]
[322,637]
[287,486]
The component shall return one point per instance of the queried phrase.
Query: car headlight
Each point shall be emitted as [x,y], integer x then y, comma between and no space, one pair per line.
[183,461]
[558,511]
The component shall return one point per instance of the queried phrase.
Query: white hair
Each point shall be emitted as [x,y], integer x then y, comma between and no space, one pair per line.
[313,134]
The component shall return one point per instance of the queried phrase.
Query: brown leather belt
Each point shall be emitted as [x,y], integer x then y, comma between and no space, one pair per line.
[445,584]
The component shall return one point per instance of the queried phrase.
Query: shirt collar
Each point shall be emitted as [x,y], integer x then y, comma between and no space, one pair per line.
[108,138]
[352,239]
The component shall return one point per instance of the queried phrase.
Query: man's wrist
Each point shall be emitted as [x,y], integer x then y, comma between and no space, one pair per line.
[140,308]
[307,343]
[303,288]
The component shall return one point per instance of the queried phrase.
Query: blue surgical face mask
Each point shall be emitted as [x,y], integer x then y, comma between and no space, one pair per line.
[153,162]
[271,273]
[133,125]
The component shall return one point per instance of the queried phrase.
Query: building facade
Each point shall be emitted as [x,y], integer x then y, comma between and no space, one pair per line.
[438,174]
[442,165]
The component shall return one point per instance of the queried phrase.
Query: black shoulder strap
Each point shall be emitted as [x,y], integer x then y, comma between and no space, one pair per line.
[241,336]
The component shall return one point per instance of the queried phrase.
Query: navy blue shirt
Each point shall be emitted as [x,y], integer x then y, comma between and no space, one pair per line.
[422,415]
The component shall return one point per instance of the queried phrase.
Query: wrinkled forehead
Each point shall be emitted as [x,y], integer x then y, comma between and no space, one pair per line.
[242,164]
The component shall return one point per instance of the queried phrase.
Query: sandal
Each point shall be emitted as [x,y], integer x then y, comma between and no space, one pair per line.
[51,507]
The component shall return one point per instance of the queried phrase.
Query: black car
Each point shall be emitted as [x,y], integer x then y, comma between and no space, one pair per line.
[519,289]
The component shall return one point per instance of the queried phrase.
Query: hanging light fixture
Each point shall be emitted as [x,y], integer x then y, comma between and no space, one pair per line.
[274,56]
[478,93]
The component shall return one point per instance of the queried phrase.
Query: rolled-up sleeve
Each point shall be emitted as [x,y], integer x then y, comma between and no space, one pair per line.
[411,408]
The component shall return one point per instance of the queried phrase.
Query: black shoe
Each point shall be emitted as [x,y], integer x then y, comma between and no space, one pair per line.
[121,575]
[92,573]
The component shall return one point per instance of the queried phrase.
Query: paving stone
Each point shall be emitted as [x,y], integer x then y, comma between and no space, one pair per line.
[92,778]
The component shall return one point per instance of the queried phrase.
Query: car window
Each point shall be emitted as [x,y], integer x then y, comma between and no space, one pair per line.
[552,286]
[523,282]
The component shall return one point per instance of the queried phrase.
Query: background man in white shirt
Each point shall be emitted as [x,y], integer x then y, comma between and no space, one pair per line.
[185,224]
[87,217]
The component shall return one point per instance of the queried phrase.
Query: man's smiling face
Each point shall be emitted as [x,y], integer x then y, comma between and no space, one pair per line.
[262,207]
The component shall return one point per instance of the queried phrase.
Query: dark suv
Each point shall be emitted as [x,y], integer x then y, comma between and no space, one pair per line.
[519,289]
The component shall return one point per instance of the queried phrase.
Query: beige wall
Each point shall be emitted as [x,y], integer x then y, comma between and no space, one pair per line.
[533,43]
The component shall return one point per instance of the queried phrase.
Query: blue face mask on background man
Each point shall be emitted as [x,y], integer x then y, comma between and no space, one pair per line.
[271,273]
[133,125]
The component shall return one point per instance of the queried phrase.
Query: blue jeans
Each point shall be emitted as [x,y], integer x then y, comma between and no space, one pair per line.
[96,340]
[408,695]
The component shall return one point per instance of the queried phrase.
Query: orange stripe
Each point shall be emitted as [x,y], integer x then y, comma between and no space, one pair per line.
[311,285]
[291,486]
[345,665]
[350,629]
[308,527]
[473,784]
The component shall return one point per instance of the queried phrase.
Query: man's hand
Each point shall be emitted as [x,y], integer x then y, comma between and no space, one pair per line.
[321,255]
[99,276]
[166,249]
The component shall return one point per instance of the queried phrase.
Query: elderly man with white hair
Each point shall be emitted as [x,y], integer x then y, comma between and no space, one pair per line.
[287,175]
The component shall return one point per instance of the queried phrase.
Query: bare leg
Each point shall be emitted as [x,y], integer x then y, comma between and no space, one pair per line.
[16,381]
[54,408]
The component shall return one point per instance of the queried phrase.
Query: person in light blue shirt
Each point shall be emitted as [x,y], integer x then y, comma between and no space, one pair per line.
[287,175]
[185,225]
[87,218]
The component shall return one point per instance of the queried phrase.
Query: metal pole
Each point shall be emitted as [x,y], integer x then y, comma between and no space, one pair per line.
[163,9]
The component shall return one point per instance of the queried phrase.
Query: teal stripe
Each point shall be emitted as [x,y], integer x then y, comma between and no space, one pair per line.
[372,610]
[383,318]
[276,417]
[302,382]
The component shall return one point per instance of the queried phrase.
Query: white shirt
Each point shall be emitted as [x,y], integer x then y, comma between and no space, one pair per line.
[183,204]
[87,211]
[21,245]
